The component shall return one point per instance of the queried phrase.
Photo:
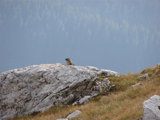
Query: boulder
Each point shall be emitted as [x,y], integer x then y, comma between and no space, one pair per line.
[74,114]
[137,84]
[62,119]
[93,68]
[108,72]
[100,84]
[111,88]
[152,108]
[144,76]
[39,87]
[84,100]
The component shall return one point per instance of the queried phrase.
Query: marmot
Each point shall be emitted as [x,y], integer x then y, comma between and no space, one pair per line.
[69,62]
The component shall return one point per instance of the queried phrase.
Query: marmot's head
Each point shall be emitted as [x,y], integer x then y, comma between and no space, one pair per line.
[67,59]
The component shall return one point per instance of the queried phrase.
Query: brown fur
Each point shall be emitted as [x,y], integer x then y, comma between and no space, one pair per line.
[69,62]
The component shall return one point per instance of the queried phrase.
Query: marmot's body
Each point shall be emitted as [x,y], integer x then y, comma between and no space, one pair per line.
[69,62]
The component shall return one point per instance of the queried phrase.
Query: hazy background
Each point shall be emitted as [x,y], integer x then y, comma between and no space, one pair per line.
[120,35]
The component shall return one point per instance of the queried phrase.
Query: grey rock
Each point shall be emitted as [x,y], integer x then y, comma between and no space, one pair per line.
[137,84]
[105,82]
[111,87]
[101,84]
[84,100]
[144,76]
[108,72]
[75,103]
[39,87]
[93,68]
[74,114]
[62,119]
[152,108]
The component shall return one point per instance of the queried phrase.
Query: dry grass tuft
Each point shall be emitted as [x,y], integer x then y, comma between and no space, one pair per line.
[124,103]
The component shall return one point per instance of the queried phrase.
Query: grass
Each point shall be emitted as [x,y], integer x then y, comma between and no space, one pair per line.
[123,103]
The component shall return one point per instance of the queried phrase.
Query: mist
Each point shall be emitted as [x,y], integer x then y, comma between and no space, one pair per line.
[119,35]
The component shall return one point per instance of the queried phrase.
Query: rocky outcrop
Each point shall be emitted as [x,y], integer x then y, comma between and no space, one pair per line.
[62,119]
[84,100]
[74,114]
[138,84]
[39,87]
[152,108]
[144,76]
[108,72]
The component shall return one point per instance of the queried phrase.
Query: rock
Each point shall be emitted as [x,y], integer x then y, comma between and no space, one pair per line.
[74,114]
[93,68]
[39,87]
[62,119]
[101,84]
[152,108]
[111,88]
[105,82]
[137,84]
[108,72]
[144,76]
[75,103]
[84,100]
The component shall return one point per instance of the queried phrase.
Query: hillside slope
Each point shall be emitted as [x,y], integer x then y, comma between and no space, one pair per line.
[122,103]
